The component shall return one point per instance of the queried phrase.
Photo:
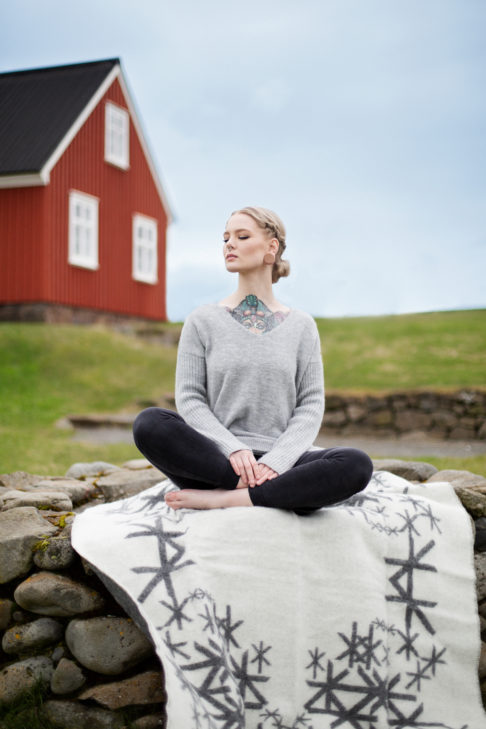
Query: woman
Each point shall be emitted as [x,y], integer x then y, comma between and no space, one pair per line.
[249,394]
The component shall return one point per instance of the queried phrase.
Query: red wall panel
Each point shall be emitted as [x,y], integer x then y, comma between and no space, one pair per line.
[22,237]
[121,194]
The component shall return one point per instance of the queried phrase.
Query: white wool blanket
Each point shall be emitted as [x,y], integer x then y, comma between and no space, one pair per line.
[362,615]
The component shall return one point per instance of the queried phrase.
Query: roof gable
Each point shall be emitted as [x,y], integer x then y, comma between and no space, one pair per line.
[42,109]
[39,106]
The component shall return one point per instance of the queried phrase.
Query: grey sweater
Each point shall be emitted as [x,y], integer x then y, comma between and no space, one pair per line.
[262,392]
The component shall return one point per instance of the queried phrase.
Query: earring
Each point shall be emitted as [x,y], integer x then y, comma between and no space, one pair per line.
[269,258]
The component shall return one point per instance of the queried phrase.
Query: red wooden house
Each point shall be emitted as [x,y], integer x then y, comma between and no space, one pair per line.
[83,216]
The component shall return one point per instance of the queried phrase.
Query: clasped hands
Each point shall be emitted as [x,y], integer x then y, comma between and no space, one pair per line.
[251,472]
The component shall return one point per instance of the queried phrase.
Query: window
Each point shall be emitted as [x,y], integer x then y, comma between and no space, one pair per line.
[144,249]
[117,148]
[83,230]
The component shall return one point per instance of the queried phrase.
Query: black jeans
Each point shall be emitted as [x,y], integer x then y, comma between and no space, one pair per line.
[191,460]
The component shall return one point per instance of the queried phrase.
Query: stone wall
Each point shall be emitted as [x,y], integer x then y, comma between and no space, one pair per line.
[62,314]
[459,415]
[58,624]
[61,629]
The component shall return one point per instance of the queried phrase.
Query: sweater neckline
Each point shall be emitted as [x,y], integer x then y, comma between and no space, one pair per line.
[283,323]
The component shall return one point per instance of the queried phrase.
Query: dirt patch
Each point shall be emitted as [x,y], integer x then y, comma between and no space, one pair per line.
[405,446]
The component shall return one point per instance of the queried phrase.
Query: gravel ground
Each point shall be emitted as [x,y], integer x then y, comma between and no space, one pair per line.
[408,446]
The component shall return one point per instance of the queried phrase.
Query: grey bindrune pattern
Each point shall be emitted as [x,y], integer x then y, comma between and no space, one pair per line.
[368,674]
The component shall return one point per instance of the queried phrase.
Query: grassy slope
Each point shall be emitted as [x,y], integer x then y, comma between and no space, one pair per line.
[47,372]
[445,349]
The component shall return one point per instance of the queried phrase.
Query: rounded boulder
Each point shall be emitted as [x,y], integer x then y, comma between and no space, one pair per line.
[47,593]
[57,554]
[72,714]
[67,677]
[32,636]
[107,645]
[22,676]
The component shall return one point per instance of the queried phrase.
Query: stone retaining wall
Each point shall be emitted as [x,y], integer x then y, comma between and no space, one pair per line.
[58,624]
[62,629]
[37,311]
[459,415]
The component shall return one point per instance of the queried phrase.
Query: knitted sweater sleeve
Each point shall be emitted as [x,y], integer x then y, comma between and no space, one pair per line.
[306,419]
[191,393]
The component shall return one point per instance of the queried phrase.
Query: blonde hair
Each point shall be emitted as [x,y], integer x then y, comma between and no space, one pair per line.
[269,221]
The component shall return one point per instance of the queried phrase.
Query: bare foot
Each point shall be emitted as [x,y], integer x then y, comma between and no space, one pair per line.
[207,499]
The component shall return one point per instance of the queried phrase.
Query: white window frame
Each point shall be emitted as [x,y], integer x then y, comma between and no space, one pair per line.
[144,249]
[83,230]
[117,136]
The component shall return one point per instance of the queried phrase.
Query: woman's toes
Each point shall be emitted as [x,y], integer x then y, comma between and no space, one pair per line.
[171,499]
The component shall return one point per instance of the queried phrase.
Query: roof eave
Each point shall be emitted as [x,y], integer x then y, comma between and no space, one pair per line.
[25,179]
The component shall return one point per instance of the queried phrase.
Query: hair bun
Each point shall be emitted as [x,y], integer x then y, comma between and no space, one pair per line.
[281,269]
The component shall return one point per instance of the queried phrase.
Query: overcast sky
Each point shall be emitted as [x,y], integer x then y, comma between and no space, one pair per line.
[361,122]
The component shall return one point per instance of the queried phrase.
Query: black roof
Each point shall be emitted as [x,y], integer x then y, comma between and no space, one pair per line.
[38,107]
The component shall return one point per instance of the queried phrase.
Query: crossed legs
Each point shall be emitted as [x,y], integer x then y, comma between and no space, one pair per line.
[207,480]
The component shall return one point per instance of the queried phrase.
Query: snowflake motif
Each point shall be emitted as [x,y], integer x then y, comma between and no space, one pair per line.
[215,688]
[175,648]
[209,618]
[360,648]
[227,627]
[409,522]
[426,511]
[429,664]
[274,715]
[147,503]
[260,655]
[419,675]
[224,675]
[434,659]
[177,612]
[405,594]
[150,502]
[407,645]
[315,663]
[162,573]
[247,683]
[336,693]
[382,625]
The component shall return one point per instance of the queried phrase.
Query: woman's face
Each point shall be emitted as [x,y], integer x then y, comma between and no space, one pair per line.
[245,244]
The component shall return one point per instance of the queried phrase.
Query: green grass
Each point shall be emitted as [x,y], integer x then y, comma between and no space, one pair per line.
[475,464]
[25,712]
[49,371]
[441,350]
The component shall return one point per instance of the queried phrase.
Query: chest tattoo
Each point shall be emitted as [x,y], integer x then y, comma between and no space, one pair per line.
[255,316]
